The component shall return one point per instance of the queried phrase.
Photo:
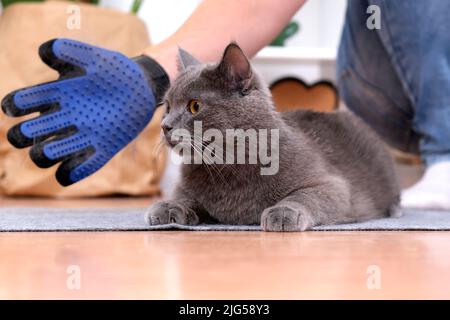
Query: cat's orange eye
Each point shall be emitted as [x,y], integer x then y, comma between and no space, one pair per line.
[194,106]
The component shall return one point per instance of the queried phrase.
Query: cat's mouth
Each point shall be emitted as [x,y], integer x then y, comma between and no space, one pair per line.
[172,143]
[173,139]
[169,142]
[166,139]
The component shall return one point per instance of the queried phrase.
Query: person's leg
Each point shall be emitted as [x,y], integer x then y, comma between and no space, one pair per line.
[402,72]
[369,84]
[415,34]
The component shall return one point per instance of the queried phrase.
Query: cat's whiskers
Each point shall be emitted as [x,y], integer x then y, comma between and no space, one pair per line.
[213,167]
[200,153]
[220,169]
[221,150]
[210,160]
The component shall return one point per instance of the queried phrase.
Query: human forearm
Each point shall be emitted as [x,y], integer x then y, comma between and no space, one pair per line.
[253,24]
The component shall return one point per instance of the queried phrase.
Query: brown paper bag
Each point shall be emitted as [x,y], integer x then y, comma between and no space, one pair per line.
[137,169]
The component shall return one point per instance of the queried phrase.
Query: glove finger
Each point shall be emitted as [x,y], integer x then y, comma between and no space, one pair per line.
[70,58]
[38,98]
[80,165]
[49,152]
[32,131]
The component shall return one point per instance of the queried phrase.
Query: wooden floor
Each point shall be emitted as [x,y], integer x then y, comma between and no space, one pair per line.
[220,265]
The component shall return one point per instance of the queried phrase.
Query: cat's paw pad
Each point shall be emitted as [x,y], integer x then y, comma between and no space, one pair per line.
[166,212]
[285,217]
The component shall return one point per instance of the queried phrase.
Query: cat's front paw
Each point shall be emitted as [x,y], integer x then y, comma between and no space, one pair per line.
[286,217]
[165,212]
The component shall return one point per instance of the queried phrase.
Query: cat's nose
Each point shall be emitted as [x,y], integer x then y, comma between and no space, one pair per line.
[166,128]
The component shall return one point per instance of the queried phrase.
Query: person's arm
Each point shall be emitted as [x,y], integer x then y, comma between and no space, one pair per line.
[252,23]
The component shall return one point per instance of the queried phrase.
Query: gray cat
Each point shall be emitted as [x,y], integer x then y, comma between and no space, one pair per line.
[332,168]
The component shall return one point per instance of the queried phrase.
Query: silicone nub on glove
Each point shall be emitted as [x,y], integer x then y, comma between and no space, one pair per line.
[100,103]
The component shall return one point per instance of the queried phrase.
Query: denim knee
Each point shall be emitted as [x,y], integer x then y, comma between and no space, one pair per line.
[369,85]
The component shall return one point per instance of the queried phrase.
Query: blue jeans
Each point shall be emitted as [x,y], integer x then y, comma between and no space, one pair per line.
[397,78]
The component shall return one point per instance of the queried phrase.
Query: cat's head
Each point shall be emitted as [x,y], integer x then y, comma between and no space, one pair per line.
[224,95]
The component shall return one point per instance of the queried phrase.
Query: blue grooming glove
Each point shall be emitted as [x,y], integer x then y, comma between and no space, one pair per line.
[100,103]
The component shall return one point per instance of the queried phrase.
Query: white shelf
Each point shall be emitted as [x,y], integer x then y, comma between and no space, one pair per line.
[292,54]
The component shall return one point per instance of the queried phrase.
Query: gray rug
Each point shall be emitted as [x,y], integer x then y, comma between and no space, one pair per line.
[125,219]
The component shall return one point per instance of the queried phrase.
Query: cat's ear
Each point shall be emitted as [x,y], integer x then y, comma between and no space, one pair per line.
[236,67]
[185,59]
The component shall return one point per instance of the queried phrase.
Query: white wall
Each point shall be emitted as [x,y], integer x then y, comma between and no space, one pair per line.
[320,24]
[162,17]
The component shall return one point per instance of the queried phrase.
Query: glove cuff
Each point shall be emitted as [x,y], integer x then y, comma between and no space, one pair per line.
[156,76]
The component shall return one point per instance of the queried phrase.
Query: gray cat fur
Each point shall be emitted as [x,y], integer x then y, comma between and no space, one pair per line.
[333,169]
